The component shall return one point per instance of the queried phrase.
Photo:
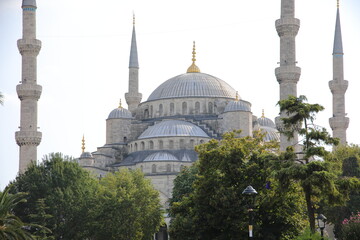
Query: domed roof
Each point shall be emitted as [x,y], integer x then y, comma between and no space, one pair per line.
[271,134]
[238,105]
[160,156]
[193,84]
[120,112]
[173,128]
[265,122]
[86,155]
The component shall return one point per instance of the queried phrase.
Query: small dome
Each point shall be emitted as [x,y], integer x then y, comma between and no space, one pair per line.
[193,84]
[120,113]
[271,134]
[234,106]
[86,155]
[160,156]
[173,128]
[266,122]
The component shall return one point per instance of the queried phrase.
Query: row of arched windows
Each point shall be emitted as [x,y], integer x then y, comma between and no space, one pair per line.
[209,109]
[170,144]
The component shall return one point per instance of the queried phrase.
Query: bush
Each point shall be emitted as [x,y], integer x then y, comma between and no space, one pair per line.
[306,235]
[350,228]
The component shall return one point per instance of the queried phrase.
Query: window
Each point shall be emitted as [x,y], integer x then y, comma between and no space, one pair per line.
[184,108]
[171,144]
[211,107]
[168,168]
[192,143]
[151,145]
[142,146]
[153,168]
[160,110]
[151,111]
[136,147]
[161,144]
[182,143]
[146,113]
[197,108]
[172,109]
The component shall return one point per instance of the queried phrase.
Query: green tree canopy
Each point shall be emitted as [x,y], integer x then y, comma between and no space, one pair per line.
[216,207]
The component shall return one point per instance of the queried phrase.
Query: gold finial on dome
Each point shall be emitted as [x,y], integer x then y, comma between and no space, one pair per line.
[263,114]
[133,18]
[83,144]
[237,96]
[193,68]
[120,105]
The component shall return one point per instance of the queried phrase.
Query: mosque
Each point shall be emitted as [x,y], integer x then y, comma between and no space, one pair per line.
[158,135]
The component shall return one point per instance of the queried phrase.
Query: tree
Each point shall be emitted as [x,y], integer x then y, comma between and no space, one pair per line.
[60,195]
[128,207]
[317,178]
[216,206]
[11,227]
[1,99]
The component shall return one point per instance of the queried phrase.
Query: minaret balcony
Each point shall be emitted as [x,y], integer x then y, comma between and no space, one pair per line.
[24,138]
[288,74]
[338,87]
[29,46]
[339,122]
[287,26]
[28,91]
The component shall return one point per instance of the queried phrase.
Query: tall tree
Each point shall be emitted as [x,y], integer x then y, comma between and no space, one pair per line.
[216,206]
[128,207]
[317,178]
[67,192]
[1,99]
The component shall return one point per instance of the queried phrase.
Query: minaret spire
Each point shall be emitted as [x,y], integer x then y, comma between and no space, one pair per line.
[338,86]
[288,74]
[28,138]
[133,97]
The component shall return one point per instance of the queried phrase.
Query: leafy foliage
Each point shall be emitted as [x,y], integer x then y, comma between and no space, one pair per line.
[128,207]
[215,204]
[351,227]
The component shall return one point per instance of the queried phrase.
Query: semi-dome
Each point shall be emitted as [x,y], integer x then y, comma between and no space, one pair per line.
[120,112]
[160,156]
[173,128]
[193,84]
[270,134]
[238,105]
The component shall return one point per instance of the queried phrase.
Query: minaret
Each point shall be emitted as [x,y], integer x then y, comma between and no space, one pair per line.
[28,138]
[288,73]
[133,97]
[338,86]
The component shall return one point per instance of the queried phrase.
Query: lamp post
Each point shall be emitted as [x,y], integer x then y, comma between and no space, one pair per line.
[321,220]
[250,193]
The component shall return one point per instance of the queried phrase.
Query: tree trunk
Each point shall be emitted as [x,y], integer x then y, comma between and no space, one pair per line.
[310,209]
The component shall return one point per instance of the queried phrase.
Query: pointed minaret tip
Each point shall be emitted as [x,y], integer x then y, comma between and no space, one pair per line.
[193,68]
[133,62]
[338,3]
[338,47]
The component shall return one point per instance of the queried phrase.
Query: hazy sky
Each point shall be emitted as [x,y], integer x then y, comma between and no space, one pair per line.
[83,63]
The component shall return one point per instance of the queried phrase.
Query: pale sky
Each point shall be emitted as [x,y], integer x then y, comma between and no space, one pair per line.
[83,63]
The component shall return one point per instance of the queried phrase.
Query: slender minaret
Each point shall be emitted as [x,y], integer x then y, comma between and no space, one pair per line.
[28,138]
[133,97]
[288,73]
[338,86]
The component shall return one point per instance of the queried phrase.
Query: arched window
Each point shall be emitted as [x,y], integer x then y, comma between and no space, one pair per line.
[131,146]
[146,113]
[168,168]
[172,109]
[182,143]
[184,108]
[142,146]
[201,141]
[161,144]
[160,110]
[197,108]
[151,145]
[192,143]
[142,168]
[153,168]
[171,144]
[136,147]
[151,111]
[211,110]
[125,139]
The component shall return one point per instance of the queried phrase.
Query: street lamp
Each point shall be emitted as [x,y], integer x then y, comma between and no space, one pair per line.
[321,220]
[250,193]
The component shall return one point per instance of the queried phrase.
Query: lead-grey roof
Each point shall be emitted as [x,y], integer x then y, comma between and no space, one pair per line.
[238,105]
[173,128]
[160,156]
[133,62]
[86,155]
[29,3]
[193,85]
[270,134]
[338,48]
[120,113]
[266,122]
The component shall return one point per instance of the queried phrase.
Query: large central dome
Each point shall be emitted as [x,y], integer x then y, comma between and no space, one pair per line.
[193,84]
